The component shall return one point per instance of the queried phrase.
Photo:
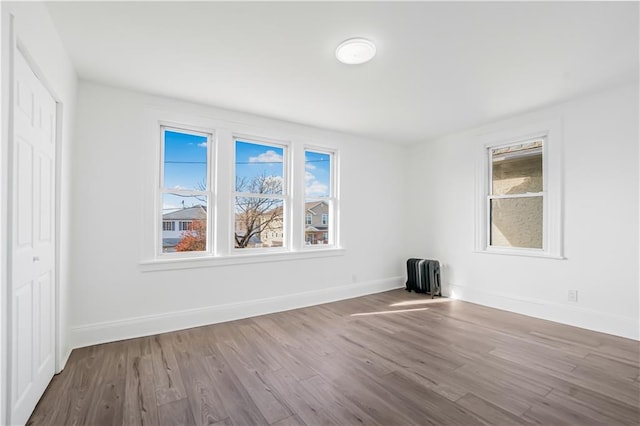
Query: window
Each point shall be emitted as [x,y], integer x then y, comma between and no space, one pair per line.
[185,190]
[516,195]
[320,197]
[261,195]
[223,198]
[519,191]
[186,225]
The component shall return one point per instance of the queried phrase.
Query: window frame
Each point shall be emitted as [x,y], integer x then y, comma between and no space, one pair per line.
[185,225]
[332,200]
[208,193]
[285,196]
[553,238]
[220,218]
[491,196]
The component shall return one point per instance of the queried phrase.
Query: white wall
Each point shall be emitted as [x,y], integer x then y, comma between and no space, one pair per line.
[600,134]
[36,33]
[113,298]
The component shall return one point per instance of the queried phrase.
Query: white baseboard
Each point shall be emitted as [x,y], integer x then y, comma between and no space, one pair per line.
[63,360]
[110,331]
[558,312]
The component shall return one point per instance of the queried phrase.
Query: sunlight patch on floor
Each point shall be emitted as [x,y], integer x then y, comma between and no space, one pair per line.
[420,302]
[388,312]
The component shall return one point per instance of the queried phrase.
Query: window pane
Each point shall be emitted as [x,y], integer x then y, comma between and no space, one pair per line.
[185,161]
[184,223]
[516,222]
[317,174]
[259,168]
[517,169]
[258,222]
[316,231]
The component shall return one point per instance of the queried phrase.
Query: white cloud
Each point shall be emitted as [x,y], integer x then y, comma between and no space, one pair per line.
[267,157]
[316,188]
[202,144]
[309,166]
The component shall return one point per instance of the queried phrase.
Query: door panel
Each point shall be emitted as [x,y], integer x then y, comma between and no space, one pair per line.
[24,101]
[24,175]
[24,338]
[45,299]
[32,287]
[44,212]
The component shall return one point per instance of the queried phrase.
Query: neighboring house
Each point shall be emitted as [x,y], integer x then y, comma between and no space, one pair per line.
[316,223]
[240,230]
[176,223]
[271,236]
[316,227]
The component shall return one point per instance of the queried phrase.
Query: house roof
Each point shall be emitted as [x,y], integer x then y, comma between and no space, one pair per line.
[308,207]
[312,205]
[322,228]
[189,213]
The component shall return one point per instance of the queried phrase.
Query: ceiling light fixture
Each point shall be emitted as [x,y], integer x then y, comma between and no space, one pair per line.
[355,51]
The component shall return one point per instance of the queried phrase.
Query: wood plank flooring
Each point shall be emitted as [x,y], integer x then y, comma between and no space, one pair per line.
[393,358]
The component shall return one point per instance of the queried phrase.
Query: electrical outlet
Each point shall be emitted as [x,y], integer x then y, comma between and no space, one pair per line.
[573,296]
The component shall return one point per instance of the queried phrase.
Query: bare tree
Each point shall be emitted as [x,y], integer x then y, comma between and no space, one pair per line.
[255,214]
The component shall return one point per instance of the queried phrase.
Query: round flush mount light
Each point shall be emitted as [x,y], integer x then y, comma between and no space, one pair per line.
[355,51]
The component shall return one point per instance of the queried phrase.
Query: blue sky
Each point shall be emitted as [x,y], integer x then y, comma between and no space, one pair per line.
[185,160]
[317,174]
[185,166]
[254,160]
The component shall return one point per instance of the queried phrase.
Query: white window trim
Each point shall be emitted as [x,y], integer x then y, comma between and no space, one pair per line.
[491,197]
[552,224]
[221,157]
[236,259]
[160,190]
[285,196]
[333,201]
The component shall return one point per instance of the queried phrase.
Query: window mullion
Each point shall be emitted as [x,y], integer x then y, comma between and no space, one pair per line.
[257,195]
[523,195]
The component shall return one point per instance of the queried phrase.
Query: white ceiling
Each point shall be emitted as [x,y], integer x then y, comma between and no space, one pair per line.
[440,67]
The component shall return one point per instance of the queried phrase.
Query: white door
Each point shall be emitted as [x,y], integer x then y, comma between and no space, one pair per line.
[32,297]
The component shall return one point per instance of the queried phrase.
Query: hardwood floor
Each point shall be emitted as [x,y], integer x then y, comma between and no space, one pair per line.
[392,358]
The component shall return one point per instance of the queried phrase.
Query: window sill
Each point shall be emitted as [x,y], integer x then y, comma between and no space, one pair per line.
[524,253]
[235,259]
